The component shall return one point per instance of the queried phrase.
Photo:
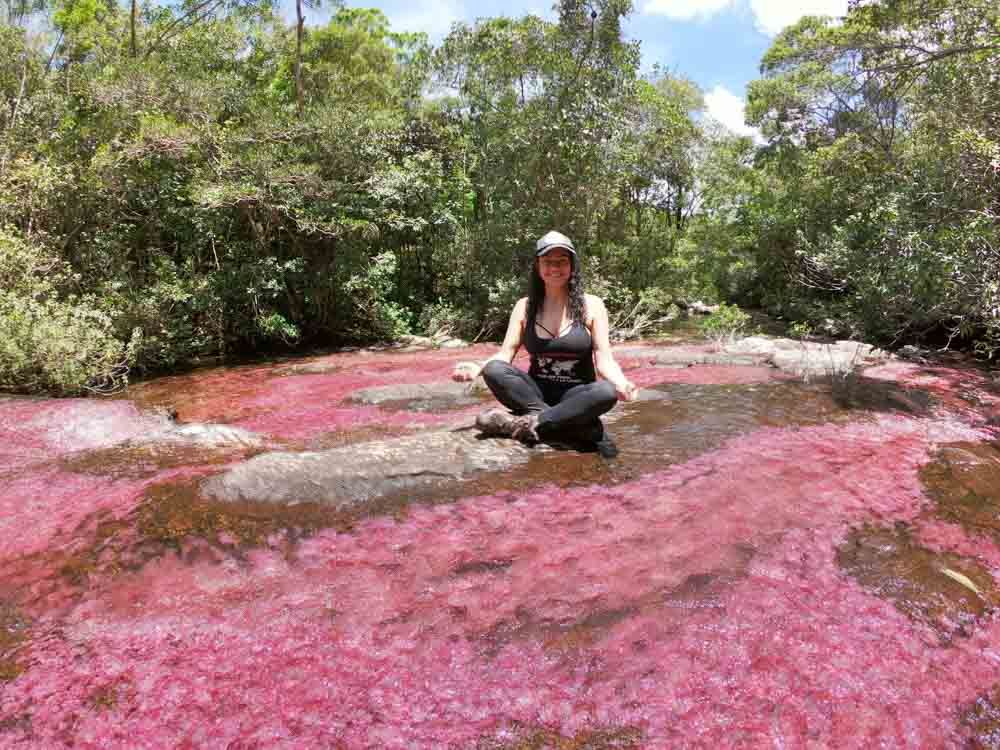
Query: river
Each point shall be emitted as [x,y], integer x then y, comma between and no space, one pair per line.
[322,553]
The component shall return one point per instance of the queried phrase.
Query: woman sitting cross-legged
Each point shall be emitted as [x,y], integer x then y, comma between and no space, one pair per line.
[566,333]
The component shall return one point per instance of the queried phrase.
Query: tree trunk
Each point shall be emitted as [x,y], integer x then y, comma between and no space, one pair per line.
[298,55]
[133,49]
[15,111]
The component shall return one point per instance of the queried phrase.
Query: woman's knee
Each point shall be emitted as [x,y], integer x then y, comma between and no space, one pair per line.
[495,370]
[605,393]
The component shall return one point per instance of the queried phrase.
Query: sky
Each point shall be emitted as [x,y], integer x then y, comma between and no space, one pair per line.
[716,43]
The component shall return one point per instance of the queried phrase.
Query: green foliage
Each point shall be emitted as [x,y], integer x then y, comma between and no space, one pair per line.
[800,330]
[369,293]
[59,347]
[882,220]
[50,342]
[726,324]
[173,201]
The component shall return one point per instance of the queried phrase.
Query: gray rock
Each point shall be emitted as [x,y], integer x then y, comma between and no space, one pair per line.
[421,342]
[423,396]
[680,358]
[346,477]
[207,435]
[913,353]
[312,368]
[700,308]
[808,358]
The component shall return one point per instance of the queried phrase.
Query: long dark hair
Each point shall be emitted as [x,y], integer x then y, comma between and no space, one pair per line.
[577,301]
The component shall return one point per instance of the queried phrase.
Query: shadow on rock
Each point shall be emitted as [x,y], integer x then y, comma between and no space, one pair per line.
[853,391]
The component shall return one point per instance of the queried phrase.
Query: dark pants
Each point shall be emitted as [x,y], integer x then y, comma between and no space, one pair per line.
[572,412]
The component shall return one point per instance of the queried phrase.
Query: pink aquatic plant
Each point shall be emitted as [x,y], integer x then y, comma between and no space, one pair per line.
[700,605]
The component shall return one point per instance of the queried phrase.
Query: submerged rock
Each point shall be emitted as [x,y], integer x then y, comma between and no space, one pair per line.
[535,738]
[344,477]
[964,481]
[945,591]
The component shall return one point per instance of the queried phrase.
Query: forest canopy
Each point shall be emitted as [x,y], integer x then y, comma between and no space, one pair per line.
[198,180]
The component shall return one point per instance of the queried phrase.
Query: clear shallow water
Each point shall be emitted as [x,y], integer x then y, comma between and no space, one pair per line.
[762,566]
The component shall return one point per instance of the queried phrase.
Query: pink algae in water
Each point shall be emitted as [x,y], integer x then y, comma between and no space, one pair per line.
[308,400]
[442,628]
[699,606]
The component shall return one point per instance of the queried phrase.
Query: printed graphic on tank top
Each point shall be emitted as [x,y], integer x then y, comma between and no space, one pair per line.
[565,360]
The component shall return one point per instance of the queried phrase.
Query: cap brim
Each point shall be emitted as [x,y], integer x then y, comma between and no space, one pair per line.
[549,248]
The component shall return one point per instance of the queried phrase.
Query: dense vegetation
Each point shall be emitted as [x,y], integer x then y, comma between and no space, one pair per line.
[207,179]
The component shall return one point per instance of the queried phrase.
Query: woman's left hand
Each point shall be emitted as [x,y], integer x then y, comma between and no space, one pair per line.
[627,390]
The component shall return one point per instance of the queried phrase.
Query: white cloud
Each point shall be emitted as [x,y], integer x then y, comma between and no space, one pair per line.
[685,9]
[433,17]
[774,15]
[723,105]
[770,16]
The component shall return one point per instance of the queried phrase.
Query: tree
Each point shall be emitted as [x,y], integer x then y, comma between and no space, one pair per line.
[884,131]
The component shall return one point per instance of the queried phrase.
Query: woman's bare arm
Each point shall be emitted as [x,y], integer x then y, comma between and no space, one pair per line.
[508,349]
[604,360]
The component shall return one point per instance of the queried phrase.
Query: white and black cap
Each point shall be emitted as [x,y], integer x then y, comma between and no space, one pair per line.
[552,241]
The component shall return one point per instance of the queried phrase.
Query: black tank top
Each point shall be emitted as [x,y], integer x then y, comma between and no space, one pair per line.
[563,361]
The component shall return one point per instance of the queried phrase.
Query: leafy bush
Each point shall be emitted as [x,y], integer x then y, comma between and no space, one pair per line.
[61,347]
[50,341]
[370,291]
[725,325]
[447,317]
[800,330]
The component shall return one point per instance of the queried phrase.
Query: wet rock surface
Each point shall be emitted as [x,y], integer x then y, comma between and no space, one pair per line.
[854,391]
[668,424]
[964,481]
[801,359]
[13,633]
[344,477]
[949,593]
[526,738]
[423,396]
[170,446]
[728,359]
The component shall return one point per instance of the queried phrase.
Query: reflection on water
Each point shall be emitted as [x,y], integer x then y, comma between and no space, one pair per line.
[761,554]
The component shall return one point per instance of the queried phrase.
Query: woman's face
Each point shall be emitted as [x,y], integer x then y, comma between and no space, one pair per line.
[555,267]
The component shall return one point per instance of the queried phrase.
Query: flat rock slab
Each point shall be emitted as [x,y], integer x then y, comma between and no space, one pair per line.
[682,358]
[207,435]
[808,358]
[422,396]
[345,477]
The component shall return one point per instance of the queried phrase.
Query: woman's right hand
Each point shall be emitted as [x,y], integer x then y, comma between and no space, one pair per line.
[465,371]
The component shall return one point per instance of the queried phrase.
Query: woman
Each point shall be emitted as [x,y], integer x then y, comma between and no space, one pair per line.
[566,333]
